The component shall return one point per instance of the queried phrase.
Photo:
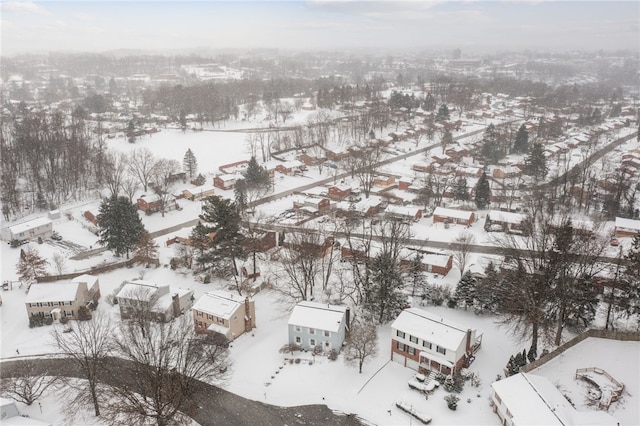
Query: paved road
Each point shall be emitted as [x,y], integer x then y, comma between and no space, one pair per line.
[213,406]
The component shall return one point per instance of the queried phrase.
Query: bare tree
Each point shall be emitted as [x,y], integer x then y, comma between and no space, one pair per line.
[162,172]
[361,344]
[129,186]
[146,251]
[168,361]
[463,245]
[363,165]
[29,385]
[141,164]
[115,171]
[59,262]
[87,344]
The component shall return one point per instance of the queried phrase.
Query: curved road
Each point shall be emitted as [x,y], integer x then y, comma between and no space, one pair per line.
[212,405]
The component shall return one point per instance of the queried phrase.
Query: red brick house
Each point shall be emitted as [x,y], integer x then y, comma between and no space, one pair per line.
[339,192]
[426,342]
[149,203]
[227,181]
[454,216]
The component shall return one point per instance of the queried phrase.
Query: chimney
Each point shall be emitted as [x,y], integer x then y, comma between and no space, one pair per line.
[247,315]
[468,346]
[175,304]
[347,313]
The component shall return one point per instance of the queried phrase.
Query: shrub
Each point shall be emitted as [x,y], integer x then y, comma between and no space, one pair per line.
[64,320]
[452,401]
[440,378]
[48,321]
[297,361]
[83,313]
[317,350]
[289,348]
[333,355]
[35,322]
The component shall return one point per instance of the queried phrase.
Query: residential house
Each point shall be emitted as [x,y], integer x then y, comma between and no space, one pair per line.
[529,399]
[626,227]
[336,154]
[41,227]
[10,415]
[224,313]
[404,183]
[199,192]
[291,167]
[505,221]
[453,216]
[366,207]
[313,324]
[312,205]
[60,299]
[162,302]
[437,263]
[149,203]
[226,181]
[412,213]
[427,342]
[234,168]
[339,191]
[384,180]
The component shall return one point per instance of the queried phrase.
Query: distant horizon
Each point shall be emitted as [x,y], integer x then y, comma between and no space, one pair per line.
[42,27]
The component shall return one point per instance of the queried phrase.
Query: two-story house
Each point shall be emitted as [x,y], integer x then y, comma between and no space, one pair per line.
[314,324]
[224,313]
[161,302]
[61,300]
[427,342]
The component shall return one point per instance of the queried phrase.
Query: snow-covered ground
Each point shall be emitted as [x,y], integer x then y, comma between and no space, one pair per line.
[259,370]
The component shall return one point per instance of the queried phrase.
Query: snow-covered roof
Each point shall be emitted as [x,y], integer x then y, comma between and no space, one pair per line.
[218,303]
[200,189]
[151,198]
[622,222]
[32,224]
[410,211]
[506,217]
[318,315]
[433,328]
[457,214]
[52,292]
[436,260]
[534,400]
[90,280]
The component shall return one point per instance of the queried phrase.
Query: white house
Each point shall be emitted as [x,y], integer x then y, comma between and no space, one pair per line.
[314,324]
[41,227]
[162,301]
[10,416]
[426,342]
[224,313]
[626,227]
[528,399]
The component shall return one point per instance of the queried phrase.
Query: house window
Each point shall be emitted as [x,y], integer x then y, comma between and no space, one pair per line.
[327,333]
[199,323]
[411,350]
[221,321]
[413,339]
[68,313]
[400,334]
[298,340]
[443,351]
[498,398]
[400,346]
[426,344]
[199,313]
[312,342]
[312,330]
[298,328]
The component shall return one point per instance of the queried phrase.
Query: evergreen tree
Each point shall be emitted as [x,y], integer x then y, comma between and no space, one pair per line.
[201,242]
[443,113]
[483,192]
[183,120]
[257,183]
[536,162]
[256,175]
[120,225]
[221,216]
[491,152]
[30,266]
[200,179]
[131,132]
[629,295]
[486,290]
[41,203]
[385,297]
[521,143]
[417,278]
[190,163]
[461,192]
[465,290]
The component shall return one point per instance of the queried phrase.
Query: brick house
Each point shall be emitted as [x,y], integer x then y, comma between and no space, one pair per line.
[412,213]
[339,191]
[291,167]
[312,205]
[454,216]
[426,342]
[198,192]
[224,313]
[226,181]
[149,203]
[626,227]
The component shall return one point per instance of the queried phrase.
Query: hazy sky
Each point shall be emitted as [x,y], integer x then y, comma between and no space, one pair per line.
[43,26]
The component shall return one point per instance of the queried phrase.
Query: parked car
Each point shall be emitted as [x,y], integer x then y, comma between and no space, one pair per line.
[614,242]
